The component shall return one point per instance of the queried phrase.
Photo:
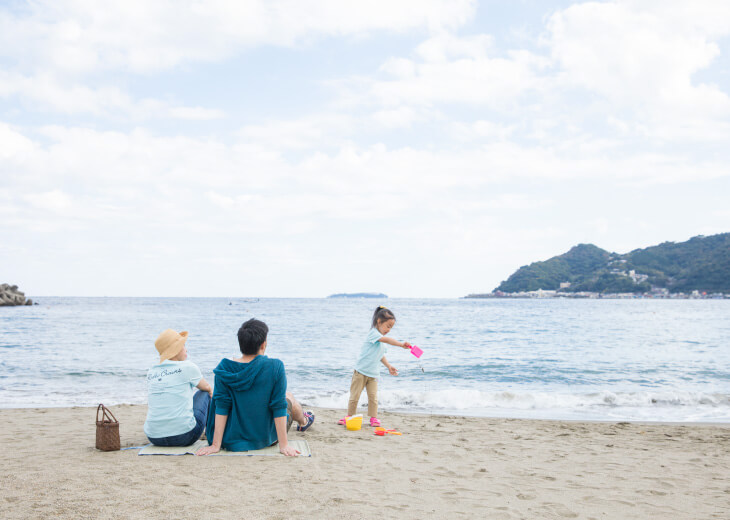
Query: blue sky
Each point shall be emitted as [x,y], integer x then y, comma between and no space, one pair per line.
[293,148]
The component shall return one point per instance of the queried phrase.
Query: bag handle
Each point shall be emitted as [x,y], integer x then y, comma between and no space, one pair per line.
[107,414]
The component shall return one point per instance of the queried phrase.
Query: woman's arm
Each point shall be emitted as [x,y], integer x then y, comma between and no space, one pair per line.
[395,342]
[204,386]
[220,426]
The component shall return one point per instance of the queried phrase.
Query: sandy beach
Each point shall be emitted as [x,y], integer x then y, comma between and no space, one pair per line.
[441,467]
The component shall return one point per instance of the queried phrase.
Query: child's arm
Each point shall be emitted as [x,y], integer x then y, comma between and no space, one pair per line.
[204,386]
[393,371]
[215,447]
[394,342]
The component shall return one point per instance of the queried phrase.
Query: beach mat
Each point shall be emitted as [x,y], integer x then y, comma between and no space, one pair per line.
[151,449]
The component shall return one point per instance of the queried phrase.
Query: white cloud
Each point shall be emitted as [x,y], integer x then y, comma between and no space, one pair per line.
[456,150]
[298,134]
[641,59]
[481,130]
[401,117]
[54,201]
[13,144]
[458,71]
[143,36]
[44,92]
[196,113]
[246,201]
[445,47]
[642,56]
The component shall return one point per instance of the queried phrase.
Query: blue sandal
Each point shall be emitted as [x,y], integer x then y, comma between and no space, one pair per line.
[310,420]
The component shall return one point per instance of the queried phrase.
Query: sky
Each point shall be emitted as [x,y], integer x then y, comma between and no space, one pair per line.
[420,148]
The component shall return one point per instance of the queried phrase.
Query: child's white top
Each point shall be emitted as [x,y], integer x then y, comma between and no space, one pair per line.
[370,355]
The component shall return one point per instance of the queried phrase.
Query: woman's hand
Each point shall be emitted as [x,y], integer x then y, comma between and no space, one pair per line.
[207,450]
[289,451]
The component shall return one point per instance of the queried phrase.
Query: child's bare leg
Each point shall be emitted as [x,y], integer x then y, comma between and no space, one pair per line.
[296,410]
[372,389]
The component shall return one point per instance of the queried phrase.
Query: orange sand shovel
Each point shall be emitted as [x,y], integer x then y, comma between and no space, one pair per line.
[382,431]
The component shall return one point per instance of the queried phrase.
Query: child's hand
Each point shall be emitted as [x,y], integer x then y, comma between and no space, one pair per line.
[393,371]
[406,345]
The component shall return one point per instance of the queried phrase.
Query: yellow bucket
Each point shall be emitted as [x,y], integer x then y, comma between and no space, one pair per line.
[354,423]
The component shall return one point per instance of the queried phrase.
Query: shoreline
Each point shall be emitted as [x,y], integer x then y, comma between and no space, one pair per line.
[432,415]
[443,466]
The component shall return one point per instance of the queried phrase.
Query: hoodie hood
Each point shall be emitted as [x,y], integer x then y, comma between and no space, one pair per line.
[239,376]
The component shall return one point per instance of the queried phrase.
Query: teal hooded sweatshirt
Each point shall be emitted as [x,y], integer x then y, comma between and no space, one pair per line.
[252,395]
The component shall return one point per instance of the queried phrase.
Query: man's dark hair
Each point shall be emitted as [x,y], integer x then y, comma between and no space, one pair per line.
[251,336]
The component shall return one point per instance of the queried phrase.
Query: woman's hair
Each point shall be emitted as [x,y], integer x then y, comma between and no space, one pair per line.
[382,314]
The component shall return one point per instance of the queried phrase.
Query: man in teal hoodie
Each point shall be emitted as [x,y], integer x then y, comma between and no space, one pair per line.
[251,408]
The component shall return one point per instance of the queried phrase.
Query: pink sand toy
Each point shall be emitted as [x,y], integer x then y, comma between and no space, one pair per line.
[416,351]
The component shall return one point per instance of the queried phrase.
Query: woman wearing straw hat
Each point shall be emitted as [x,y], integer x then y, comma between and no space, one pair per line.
[176,413]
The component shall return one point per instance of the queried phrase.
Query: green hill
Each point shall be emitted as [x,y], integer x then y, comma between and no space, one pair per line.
[701,263]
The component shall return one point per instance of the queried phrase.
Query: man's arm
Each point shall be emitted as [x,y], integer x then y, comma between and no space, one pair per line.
[220,426]
[280,423]
[395,342]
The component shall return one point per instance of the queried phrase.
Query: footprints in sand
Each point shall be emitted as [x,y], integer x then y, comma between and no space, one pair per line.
[526,496]
[651,492]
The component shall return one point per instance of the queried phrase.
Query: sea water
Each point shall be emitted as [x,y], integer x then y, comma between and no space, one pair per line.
[649,360]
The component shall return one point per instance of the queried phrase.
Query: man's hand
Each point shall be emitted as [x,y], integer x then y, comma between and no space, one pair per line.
[207,450]
[393,371]
[289,451]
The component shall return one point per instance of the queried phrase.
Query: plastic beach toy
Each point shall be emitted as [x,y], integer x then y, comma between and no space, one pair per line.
[382,432]
[416,351]
[354,423]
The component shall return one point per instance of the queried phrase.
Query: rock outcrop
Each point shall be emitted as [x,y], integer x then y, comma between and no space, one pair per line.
[10,296]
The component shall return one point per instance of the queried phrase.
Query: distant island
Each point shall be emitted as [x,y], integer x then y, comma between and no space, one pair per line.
[697,268]
[358,295]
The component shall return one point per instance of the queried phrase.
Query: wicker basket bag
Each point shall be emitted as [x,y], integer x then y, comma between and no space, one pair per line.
[107,430]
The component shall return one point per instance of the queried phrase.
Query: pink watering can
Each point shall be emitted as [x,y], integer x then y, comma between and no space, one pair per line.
[416,351]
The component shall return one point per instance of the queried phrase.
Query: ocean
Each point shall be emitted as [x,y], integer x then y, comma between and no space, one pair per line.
[632,360]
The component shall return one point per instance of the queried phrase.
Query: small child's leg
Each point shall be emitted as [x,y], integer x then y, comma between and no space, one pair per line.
[371,387]
[356,386]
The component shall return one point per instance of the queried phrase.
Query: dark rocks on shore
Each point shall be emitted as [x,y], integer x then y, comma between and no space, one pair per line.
[11,296]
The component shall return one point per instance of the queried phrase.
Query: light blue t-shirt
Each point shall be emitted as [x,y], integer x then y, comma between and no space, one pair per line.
[170,389]
[370,355]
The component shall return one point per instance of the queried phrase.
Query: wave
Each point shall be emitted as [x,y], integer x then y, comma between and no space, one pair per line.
[659,406]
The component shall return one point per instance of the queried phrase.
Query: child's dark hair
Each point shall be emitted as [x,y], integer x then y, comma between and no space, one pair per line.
[382,314]
[251,336]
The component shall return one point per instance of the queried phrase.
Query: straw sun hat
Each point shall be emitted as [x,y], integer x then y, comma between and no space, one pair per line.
[169,343]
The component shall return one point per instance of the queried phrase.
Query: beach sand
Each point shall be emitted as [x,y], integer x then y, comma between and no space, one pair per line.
[441,467]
